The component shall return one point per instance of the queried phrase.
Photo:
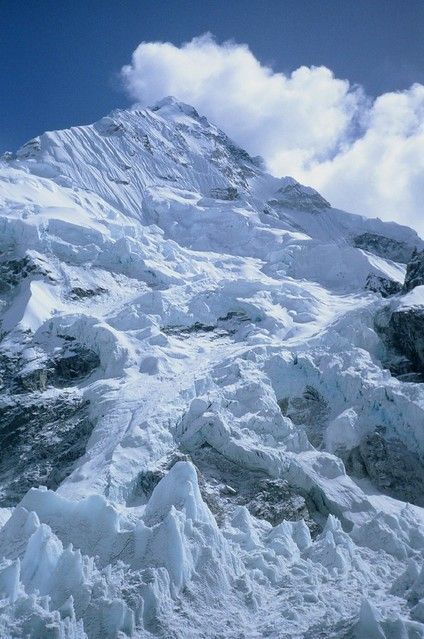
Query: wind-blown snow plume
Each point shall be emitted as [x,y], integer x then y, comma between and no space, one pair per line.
[365,155]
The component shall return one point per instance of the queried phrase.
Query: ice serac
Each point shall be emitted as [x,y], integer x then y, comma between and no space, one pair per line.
[211,398]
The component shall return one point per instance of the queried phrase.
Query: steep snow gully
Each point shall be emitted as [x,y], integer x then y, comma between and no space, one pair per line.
[211,396]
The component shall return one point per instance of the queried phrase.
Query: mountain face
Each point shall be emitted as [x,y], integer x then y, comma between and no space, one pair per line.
[211,395]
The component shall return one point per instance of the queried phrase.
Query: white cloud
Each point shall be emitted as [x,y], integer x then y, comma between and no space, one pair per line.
[365,156]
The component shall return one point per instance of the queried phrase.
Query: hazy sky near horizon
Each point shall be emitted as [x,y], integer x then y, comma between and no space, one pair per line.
[330,92]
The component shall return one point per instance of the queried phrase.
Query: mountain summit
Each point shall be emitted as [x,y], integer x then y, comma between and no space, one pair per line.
[211,395]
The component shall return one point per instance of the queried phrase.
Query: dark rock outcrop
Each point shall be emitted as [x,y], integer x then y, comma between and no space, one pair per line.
[310,410]
[405,332]
[384,247]
[402,332]
[382,285]
[42,432]
[294,195]
[414,272]
[12,272]
[41,440]
[34,380]
[229,193]
[390,466]
[275,501]
[80,293]
[270,499]
[74,365]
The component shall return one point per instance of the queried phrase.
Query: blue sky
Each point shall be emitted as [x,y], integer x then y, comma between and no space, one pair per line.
[330,92]
[60,58]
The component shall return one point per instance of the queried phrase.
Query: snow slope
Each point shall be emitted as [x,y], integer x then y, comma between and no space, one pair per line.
[201,435]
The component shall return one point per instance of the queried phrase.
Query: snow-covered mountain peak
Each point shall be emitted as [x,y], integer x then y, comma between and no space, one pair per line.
[170,107]
[216,379]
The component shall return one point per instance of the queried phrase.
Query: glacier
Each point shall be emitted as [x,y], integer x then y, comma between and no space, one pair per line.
[211,395]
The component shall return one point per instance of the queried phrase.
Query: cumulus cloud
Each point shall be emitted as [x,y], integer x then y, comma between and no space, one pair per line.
[382,171]
[364,155]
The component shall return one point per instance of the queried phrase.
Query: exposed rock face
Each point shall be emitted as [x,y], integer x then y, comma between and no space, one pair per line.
[34,380]
[228,325]
[225,485]
[384,247]
[275,501]
[41,439]
[382,285]
[310,410]
[15,270]
[75,365]
[80,293]
[401,330]
[43,430]
[405,332]
[293,195]
[229,193]
[414,271]
[391,467]
[68,368]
